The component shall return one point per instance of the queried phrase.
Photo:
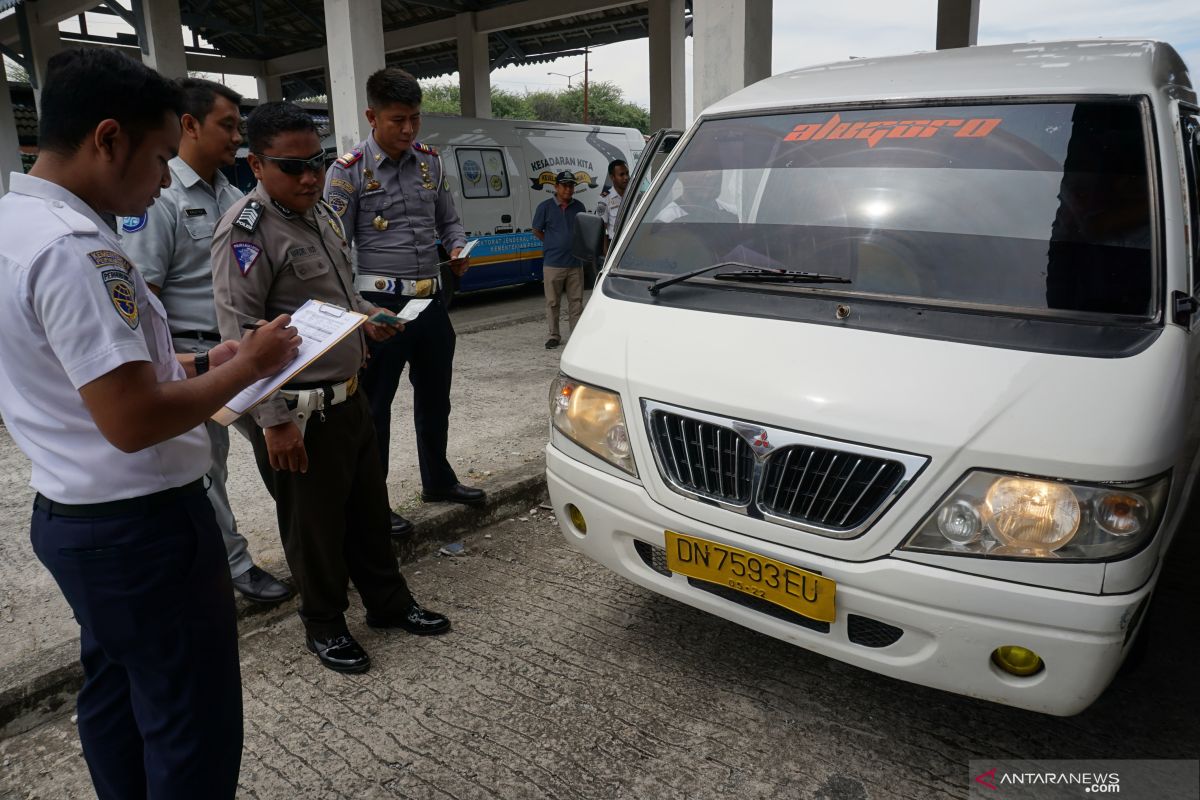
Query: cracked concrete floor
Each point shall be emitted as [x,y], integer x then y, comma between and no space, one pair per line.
[562,680]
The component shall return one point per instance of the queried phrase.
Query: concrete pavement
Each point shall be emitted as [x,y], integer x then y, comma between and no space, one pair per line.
[561,680]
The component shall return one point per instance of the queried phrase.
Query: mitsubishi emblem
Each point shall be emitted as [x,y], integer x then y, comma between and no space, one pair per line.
[757,437]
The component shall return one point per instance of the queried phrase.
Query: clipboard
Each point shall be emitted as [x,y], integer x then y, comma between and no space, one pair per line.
[321,326]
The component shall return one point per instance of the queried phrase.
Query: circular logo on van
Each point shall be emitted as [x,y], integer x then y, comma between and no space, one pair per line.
[472,171]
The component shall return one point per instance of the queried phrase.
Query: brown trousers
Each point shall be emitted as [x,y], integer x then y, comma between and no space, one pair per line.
[557,280]
[334,520]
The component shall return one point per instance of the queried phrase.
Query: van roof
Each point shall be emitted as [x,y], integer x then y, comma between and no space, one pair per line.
[1101,66]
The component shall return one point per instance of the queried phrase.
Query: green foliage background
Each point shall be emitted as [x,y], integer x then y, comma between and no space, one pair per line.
[606,105]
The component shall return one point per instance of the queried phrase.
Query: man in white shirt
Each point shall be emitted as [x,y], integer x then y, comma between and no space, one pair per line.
[610,205]
[171,244]
[93,394]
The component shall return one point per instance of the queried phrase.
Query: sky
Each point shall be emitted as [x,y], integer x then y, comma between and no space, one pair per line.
[807,32]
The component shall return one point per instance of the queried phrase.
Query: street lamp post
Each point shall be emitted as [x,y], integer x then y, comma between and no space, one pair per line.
[584,72]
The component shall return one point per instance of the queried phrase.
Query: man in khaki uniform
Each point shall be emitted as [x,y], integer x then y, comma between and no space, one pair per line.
[276,248]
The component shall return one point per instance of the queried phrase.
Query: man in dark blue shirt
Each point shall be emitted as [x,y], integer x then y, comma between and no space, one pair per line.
[554,224]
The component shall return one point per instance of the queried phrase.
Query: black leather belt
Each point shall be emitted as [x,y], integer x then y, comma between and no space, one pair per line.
[204,336]
[116,508]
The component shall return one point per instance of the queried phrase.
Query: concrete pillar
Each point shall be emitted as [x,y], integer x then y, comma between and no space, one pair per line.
[10,153]
[474,68]
[270,88]
[354,31]
[732,47]
[40,41]
[957,23]
[668,93]
[163,48]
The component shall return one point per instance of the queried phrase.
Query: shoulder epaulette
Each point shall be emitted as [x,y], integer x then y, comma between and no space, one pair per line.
[249,217]
[348,159]
[424,148]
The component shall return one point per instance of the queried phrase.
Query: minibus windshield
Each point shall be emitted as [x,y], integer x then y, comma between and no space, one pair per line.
[1040,207]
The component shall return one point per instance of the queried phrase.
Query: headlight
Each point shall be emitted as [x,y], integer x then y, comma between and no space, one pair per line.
[1011,516]
[592,418]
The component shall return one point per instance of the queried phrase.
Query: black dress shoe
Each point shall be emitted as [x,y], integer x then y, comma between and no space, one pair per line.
[552,343]
[417,620]
[457,493]
[261,586]
[340,653]
[400,526]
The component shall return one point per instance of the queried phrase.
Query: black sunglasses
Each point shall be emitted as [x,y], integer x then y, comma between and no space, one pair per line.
[296,166]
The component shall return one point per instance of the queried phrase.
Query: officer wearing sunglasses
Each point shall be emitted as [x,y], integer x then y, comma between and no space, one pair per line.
[315,445]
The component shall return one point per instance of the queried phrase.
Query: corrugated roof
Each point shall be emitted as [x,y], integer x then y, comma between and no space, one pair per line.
[5,5]
[289,26]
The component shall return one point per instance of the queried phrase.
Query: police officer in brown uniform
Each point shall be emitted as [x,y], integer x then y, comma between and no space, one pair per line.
[314,442]
[392,193]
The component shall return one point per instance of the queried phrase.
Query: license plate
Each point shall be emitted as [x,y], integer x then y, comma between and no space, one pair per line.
[806,593]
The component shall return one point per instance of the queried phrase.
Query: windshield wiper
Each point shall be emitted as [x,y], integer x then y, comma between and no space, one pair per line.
[750,274]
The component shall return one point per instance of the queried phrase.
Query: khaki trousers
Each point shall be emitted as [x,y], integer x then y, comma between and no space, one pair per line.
[556,280]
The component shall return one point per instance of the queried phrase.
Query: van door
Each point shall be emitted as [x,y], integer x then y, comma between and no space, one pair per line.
[491,210]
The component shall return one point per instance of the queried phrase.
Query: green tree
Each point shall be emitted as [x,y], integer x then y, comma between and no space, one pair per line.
[606,105]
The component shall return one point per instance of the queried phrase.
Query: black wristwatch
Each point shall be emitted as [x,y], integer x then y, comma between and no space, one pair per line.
[201,363]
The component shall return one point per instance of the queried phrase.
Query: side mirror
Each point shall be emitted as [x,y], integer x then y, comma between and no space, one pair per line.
[587,243]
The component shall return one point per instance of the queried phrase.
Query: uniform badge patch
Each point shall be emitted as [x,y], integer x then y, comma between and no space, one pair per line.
[134,224]
[343,184]
[109,258]
[246,254]
[120,291]
[249,216]
[424,148]
[339,203]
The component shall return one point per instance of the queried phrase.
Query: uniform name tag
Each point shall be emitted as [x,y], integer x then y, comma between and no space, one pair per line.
[195,212]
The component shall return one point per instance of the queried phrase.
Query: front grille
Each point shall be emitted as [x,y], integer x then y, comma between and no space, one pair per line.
[704,458]
[760,605]
[871,632]
[826,487]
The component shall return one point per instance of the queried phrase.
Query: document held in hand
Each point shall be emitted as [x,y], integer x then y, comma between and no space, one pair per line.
[321,326]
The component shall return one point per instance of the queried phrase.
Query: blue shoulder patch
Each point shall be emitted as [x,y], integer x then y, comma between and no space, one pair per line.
[134,224]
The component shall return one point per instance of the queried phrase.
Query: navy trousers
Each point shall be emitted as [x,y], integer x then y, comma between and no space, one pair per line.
[160,712]
[427,346]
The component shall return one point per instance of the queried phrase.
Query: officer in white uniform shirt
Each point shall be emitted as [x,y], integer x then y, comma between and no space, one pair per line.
[610,204]
[94,395]
[171,244]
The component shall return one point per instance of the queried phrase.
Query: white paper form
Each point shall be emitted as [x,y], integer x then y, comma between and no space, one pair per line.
[466,252]
[321,326]
[412,309]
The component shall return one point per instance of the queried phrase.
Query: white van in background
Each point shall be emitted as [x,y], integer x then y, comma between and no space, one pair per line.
[499,170]
[898,360]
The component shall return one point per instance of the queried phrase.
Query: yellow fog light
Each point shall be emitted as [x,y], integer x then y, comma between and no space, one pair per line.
[576,517]
[1019,661]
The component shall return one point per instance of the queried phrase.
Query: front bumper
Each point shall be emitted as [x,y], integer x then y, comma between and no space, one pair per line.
[949,622]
